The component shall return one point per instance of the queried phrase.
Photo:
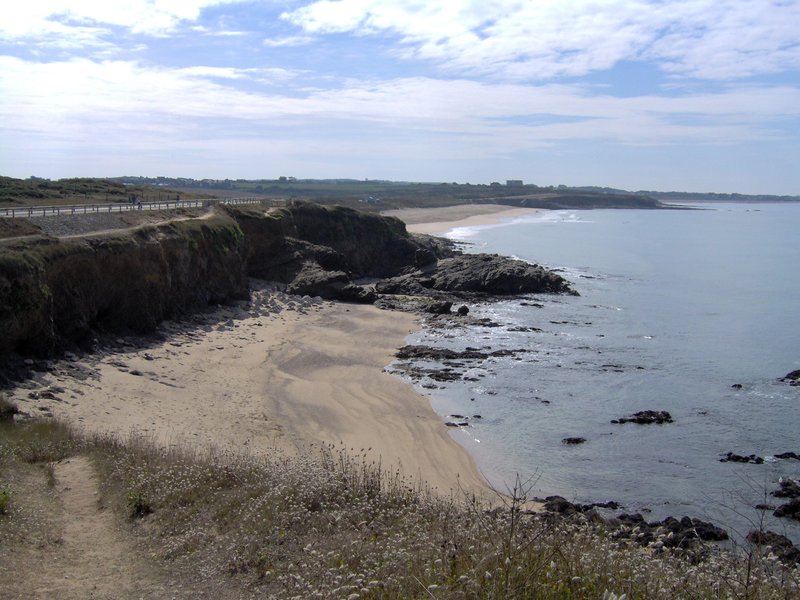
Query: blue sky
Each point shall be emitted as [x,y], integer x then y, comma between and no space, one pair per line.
[695,95]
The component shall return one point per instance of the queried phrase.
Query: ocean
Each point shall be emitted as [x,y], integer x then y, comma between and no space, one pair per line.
[675,307]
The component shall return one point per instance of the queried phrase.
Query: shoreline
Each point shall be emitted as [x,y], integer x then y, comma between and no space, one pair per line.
[440,220]
[277,373]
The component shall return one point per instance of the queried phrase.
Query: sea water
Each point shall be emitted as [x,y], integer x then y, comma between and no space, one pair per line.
[675,307]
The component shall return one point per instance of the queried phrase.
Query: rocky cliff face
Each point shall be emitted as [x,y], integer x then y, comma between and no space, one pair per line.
[56,293]
[283,242]
[52,292]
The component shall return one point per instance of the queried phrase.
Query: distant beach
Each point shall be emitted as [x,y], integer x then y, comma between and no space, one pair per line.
[439,220]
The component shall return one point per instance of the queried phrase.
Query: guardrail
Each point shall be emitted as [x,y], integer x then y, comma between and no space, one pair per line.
[84,209]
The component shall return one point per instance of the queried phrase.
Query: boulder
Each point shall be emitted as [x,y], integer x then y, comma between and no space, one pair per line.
[789,489]
[781,546]
[481,274]
[314,280]
[439,308]
[790,510]
[792,378]
[738,458]
[572,441]
[646,417]
[788,455]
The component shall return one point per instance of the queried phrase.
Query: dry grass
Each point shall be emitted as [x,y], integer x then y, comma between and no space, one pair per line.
[331,525]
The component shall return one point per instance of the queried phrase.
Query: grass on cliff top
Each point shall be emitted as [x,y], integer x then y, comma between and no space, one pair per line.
[82,190]
[331,525]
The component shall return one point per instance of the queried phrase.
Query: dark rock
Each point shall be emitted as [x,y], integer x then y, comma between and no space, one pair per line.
[792,378]
[486,274]
[442,354]
[314,280]
[781,546]
[790,510]
[559,505]
[789,489]
[738,458]
[737,386]
[7,410]
[646,417]
[439,308]
[457,424]
[788,455]
[570,441]
[463,310]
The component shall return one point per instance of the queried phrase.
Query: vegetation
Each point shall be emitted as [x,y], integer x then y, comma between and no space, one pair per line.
[329,524]
[36,191]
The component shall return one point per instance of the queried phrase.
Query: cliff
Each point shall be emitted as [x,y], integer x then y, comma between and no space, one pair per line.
[55,294]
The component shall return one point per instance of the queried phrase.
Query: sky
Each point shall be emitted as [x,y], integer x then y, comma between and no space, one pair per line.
[691,95]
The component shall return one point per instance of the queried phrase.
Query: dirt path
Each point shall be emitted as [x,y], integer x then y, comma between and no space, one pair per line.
[91,555]
[91,558]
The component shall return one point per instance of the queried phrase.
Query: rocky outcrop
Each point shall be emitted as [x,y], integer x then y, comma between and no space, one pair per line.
[738,458]
[789,488]
[780,545]
[313,280]
[646,417]
[573,441]
[792,378]
[790,510]
[477,274]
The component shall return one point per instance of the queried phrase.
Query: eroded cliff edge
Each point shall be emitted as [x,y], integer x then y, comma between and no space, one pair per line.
[58,293]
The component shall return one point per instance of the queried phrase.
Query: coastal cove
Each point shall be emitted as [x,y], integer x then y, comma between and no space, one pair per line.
[676,307]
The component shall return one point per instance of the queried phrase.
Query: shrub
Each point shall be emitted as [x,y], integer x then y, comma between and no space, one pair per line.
[7,409]
[5,499]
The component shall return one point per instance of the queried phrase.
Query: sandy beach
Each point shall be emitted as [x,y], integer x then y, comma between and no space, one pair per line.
[277,373]
[438,221]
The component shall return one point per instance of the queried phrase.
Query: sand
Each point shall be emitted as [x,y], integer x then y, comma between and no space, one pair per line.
[273,374]
[440,220]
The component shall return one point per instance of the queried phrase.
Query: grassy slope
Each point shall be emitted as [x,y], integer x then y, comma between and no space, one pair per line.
[328,525]
[43,192]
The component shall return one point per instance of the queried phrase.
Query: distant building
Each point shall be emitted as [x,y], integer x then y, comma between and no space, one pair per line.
[514,183]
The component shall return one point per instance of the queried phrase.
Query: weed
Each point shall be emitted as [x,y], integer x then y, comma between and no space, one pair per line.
[5,499]
[137,504]
[7,409]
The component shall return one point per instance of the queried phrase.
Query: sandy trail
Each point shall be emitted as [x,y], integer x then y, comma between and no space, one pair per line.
[92,559]
[89,553]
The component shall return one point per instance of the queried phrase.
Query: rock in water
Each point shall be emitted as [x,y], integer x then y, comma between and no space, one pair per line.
[791,510]
[483,274]
[646,417]
[792,378]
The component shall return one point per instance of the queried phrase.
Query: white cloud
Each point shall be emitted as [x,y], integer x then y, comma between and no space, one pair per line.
[525,39]
[293,40]
[45,18]
[120,97]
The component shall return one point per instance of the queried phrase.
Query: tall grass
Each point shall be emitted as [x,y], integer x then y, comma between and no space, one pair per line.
[331,524]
